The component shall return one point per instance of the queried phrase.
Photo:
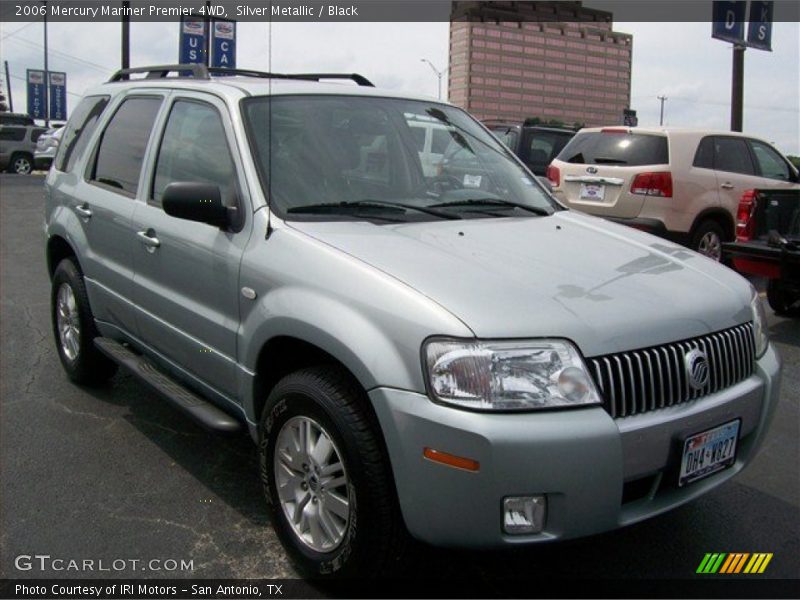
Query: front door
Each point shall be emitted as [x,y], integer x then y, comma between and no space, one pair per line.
[186,282]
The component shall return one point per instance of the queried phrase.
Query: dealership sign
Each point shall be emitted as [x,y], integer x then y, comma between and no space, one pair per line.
[223,47]
[192,40]
[57,94]
[36,94]
[729,23]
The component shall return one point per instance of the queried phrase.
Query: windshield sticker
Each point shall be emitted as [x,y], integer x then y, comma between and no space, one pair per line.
[472,181]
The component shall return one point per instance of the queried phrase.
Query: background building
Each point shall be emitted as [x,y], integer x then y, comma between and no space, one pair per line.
[553,60]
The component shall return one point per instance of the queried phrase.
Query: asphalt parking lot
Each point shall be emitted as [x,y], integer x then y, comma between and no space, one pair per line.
[114,472]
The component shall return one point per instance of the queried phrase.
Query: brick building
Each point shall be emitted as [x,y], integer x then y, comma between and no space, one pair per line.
[552,60]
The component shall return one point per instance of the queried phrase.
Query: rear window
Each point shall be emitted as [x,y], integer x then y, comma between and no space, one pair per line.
[12,134]
[607,148]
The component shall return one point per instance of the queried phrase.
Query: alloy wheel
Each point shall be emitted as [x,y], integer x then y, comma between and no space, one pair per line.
[68,322]
[711,246]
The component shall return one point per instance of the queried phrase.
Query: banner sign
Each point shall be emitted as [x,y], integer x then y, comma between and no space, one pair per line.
[223,47]
[193,37]
[36,94]
[57,94]
[729,20]
[759,32]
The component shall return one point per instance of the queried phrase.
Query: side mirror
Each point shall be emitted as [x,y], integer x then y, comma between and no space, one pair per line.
[195,202]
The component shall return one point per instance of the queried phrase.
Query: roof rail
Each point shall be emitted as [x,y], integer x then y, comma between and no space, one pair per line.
[200,71]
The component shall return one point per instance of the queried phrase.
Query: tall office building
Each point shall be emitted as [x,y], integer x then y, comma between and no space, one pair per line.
[553,60]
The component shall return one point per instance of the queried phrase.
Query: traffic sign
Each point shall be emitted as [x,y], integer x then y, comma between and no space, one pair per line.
[729,18]
[759,32]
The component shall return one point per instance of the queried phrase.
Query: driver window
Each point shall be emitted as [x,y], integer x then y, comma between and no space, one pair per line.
[195,148]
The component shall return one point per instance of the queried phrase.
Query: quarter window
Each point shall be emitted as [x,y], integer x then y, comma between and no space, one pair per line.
[121,152]
[731,155]
[78,131]
[704,158]
[770,163]
[195,149]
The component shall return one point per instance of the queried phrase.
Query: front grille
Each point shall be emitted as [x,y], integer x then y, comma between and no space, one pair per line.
[651,378]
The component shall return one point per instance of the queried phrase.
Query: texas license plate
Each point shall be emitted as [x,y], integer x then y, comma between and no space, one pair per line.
[708,452]
[591,191]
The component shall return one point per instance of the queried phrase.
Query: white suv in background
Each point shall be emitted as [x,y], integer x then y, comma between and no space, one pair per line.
[684,185]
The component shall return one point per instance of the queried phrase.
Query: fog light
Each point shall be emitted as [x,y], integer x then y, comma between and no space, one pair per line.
[524,514]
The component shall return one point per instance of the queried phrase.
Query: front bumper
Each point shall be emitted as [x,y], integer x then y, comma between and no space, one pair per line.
[582,459]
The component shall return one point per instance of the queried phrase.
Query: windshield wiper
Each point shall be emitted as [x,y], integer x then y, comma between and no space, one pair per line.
[537,210]
[602,160]
[375,204]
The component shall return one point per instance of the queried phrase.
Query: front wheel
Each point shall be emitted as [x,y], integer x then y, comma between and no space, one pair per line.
[21,164]
[326,477]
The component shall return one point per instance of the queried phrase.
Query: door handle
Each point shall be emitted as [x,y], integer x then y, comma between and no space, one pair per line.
[84,211]
[148,238]
[727,185]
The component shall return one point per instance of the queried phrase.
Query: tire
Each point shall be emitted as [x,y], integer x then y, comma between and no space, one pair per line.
[371,530]
[707,239]
[21,164]
[74,327]
[781,301]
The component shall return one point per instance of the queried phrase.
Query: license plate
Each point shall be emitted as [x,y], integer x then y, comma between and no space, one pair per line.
[708,452]
[591,191]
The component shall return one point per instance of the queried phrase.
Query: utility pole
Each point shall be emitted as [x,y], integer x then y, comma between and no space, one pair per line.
[663,99]
[126,36]
[207,37]
[439,74]
[46,74]
[8,87]
[737,88]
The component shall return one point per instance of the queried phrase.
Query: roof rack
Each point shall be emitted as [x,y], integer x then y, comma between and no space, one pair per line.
[200,71]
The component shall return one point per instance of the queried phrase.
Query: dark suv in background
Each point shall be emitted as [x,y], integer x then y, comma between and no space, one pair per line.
[535,145]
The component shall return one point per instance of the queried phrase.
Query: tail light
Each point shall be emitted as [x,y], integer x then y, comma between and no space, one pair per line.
[653,184]
[554,175]
[745,221]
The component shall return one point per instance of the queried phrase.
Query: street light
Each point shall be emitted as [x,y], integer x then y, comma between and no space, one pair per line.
[439,74]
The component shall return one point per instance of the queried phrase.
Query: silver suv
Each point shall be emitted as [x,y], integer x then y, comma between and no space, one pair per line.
[448,354]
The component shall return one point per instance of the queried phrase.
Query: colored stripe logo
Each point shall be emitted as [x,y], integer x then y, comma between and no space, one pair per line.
[734,563]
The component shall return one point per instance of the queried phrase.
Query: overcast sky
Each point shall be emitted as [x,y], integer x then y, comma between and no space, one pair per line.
[679,60]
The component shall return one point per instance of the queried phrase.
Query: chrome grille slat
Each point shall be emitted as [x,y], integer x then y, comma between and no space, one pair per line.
[649,379]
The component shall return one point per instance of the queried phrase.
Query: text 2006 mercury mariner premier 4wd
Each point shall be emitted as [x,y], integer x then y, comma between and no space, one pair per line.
[433,347]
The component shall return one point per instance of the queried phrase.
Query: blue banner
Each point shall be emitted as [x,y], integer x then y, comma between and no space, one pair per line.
[193,36]
[57,95]
[759,32]
[729,20]
[223,37]
[36,94]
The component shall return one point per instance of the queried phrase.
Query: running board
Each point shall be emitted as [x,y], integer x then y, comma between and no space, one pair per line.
[205,413]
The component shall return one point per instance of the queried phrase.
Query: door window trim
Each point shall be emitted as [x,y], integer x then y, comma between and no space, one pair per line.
[88,172]
[749,154]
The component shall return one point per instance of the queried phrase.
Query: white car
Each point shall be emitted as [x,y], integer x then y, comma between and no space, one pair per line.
[46,147]
[684,185]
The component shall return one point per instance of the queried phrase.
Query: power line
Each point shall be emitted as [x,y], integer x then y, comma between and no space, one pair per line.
[16,31]
[719,103]
[103,69]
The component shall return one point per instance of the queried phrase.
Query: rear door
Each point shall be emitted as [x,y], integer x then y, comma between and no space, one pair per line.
[597,169]
[735,170]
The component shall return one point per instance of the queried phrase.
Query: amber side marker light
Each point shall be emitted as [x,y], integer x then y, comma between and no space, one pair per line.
[451,460]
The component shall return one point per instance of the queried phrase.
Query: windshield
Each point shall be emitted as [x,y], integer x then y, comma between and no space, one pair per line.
[385,159]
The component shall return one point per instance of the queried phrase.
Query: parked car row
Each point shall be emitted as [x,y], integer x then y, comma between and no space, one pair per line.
[24,146]
[683,185]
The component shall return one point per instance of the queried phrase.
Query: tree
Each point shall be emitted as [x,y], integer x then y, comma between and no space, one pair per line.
[795,160]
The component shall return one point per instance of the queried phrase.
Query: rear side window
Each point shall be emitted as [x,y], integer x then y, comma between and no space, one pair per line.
[543,147]
[704,157]
[613,148]
[12,134]
[770,163]
[121,151]
[506,135]
[78,131]
[731,155]
[440,141]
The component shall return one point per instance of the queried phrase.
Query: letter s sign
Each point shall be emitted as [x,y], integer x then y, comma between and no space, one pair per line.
[759,34]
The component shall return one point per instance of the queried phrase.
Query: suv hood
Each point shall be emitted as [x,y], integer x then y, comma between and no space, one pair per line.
[606,287]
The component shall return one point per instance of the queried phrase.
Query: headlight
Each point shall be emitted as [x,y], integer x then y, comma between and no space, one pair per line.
[519,375]
[760,330]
